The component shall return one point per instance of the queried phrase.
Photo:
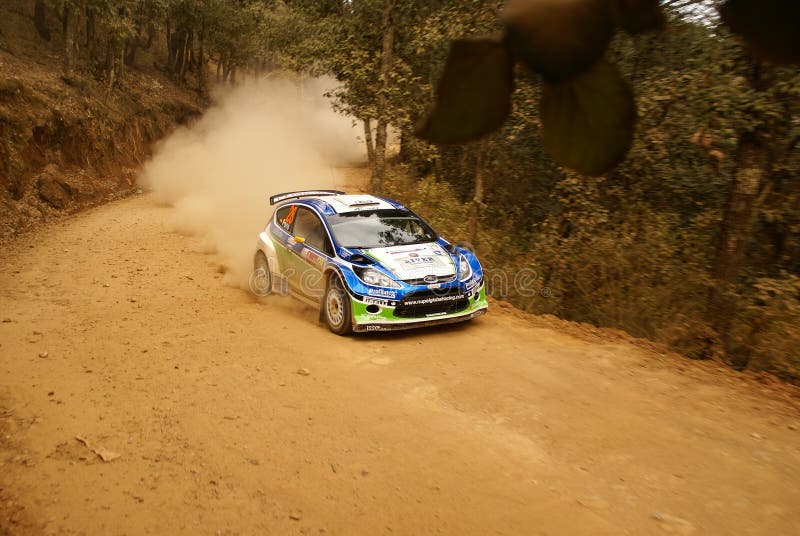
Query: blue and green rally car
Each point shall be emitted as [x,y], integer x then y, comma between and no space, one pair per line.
[368,263]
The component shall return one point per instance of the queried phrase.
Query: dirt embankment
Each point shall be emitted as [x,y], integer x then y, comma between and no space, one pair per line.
[71,142]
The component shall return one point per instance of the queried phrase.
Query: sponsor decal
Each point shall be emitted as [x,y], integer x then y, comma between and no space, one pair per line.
[376,301]
[373,328]
[382,293]
[291,242]
[435,299]
[312,258]
[472,283]
[363,206]
[416,261]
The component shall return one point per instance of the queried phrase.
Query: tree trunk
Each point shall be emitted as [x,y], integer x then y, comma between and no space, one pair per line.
[201,59]
[749,188]
[405,150]
[473,225]
[121,63]
[736,232]
[184,55]
[190,49]
[151,33]
[40,20]
[226,69]
[379,167]
[110,65]
[177,39]
[130,51]
[369,141]
[69,40]
[133,44]
[437,159]
[91,41]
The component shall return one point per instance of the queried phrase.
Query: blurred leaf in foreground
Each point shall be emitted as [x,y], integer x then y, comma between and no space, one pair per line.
[559,39]
[639,16]
[588,122]
[771,28]
[474,93]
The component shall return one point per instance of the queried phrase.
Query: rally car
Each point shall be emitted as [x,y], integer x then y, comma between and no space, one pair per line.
[368,263]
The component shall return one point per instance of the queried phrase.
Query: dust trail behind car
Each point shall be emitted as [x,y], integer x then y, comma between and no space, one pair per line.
[260,138]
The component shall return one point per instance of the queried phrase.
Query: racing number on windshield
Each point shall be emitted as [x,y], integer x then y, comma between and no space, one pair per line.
[290,217]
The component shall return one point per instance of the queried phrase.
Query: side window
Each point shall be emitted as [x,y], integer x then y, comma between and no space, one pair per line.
[285,216]
[307,225]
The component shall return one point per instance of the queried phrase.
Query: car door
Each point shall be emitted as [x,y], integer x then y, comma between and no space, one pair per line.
[282,238]
[311,251]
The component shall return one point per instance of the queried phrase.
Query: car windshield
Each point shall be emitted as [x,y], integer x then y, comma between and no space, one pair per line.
[379,228]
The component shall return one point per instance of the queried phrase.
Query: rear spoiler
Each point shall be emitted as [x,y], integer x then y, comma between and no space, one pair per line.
[277,198]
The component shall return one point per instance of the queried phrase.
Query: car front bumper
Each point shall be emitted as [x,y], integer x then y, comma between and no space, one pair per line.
[385,319]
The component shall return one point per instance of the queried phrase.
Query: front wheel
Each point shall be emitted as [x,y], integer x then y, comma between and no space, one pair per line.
[261,278]
[336,307]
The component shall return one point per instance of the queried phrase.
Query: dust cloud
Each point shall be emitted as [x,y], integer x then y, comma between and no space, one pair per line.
[260,138]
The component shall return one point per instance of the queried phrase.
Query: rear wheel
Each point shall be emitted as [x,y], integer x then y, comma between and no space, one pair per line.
[336,307]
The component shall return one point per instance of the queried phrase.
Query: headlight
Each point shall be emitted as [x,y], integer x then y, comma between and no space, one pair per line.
[464,269]
[373,277]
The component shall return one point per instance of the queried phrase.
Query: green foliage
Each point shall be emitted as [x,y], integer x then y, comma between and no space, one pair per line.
[769,328]
[563,40]
[431,199]
[234,28]
[634,250]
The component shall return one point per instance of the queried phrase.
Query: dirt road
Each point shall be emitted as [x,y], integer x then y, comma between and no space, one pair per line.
[121,332]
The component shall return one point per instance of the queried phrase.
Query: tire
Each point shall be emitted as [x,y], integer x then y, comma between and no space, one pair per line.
[261,278]
[336,307]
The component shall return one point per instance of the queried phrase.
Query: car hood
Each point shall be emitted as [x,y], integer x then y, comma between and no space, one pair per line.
[414,261]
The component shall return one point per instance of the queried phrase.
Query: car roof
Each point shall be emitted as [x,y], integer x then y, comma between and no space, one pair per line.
[330,205]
